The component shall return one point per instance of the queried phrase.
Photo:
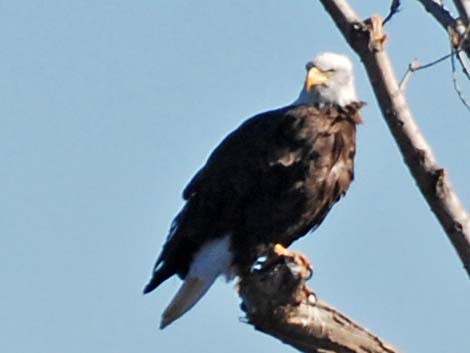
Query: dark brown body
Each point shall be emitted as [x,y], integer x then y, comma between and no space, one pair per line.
[270,181]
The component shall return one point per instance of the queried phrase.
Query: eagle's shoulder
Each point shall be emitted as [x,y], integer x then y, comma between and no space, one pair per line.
[250,146]
[264,141]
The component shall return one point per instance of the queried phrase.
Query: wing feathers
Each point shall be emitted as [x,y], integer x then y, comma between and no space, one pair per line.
[158,277]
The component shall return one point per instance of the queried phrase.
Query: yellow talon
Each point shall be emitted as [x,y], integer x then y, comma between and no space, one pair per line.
[280,250]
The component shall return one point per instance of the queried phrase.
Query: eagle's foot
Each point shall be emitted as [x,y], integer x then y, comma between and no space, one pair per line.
[278,254]
[296,257]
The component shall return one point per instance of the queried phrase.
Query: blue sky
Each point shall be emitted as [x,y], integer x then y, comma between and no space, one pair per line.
[107,110]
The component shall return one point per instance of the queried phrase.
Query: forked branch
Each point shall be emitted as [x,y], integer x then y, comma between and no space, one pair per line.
[367,39]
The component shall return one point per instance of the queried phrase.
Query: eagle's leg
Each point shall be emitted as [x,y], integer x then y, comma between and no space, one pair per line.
[299,259]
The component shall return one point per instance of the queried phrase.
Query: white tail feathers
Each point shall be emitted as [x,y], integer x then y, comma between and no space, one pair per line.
[212,260]
[188,295]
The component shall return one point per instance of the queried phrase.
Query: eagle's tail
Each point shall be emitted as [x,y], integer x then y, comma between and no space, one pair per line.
[212,260]
[188,295]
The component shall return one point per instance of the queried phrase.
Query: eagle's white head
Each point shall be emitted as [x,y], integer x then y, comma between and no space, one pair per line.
[329,80]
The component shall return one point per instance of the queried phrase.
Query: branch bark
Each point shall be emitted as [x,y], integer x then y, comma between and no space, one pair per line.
[367,39]
[440,14]
[457,29]
[278,302]
[463,7]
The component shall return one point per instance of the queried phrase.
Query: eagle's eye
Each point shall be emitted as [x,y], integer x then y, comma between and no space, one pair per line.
[308,66]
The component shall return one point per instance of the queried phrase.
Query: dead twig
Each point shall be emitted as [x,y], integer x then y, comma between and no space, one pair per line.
[455,82]
[415,65]
[395,7]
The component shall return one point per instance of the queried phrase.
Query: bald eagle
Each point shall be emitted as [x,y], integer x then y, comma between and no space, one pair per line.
[269,182]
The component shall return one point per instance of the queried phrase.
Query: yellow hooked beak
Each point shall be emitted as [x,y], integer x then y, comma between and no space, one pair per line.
[315,77]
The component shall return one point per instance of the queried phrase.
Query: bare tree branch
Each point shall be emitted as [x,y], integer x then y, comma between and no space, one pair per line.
[394,9]
[463,61]
[366,38]
[457,29]
[412,67]
[415,65]
[463,7]
[457,88]
[439,13]
[278,302]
